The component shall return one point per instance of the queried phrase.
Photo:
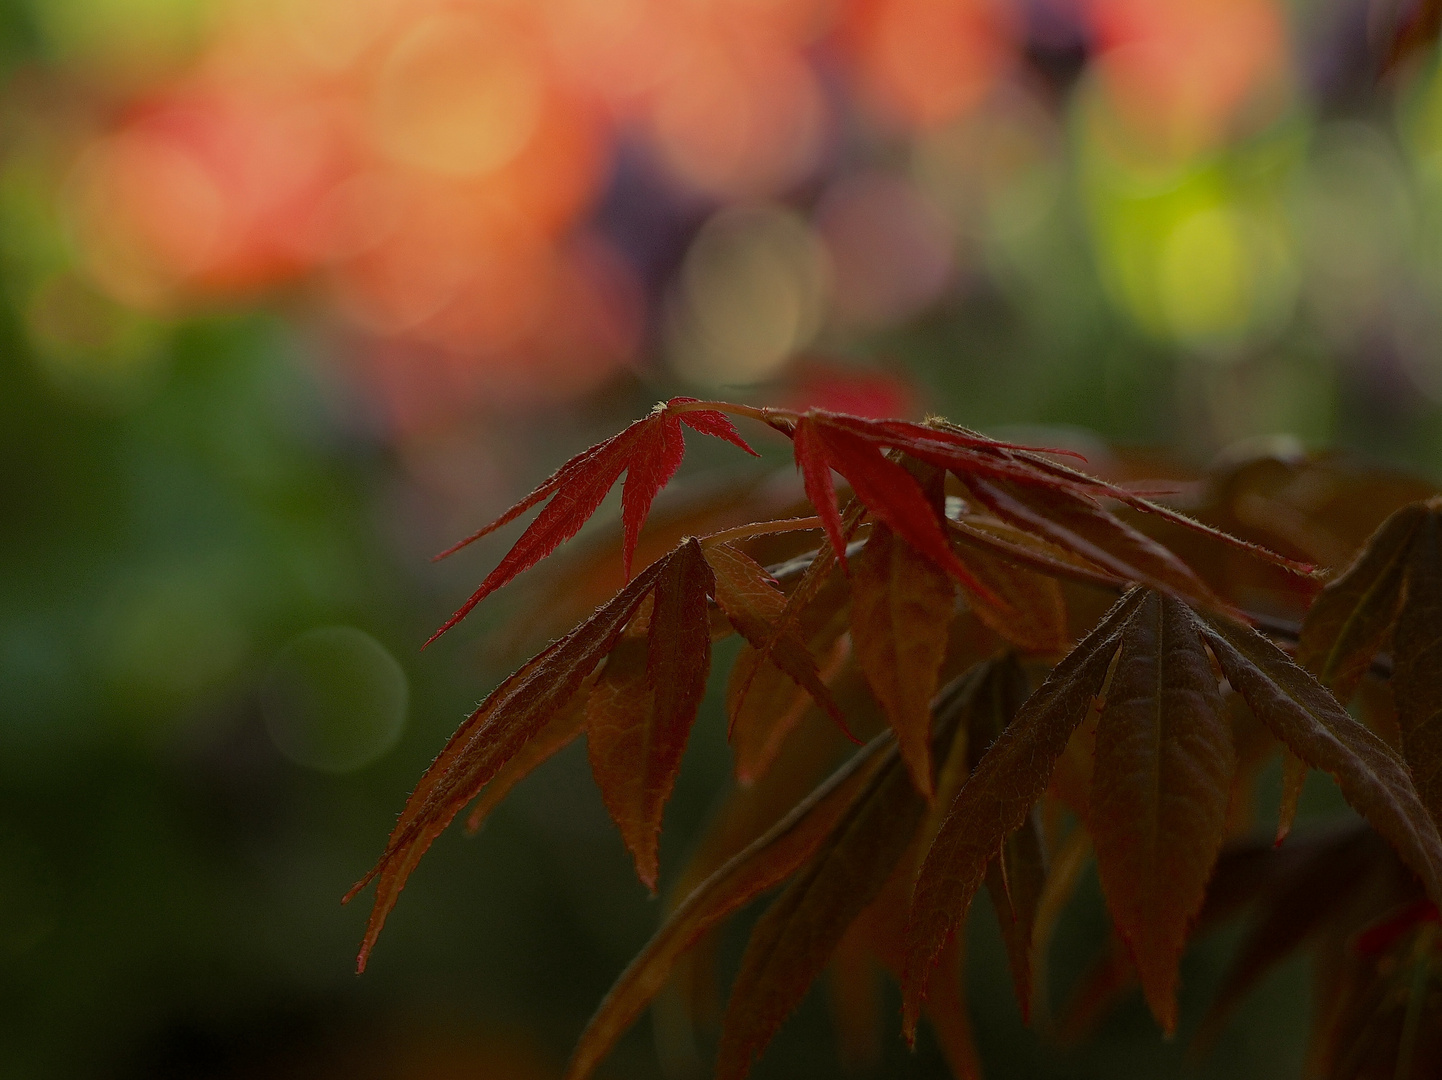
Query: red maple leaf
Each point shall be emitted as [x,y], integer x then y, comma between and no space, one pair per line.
[649,452]
[853,447]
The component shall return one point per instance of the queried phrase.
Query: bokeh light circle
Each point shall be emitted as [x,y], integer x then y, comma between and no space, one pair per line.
[458,96]
[753,290]
[334,699]
[890,248]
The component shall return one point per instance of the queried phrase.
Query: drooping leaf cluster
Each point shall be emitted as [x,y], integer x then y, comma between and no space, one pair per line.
[1041,667]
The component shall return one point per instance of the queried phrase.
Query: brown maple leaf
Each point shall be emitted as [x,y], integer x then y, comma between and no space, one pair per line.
[1160,788]
[640,712]
[648,742]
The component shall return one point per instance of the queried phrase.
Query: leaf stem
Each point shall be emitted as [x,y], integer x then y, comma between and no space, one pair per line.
[780,419]
[762,528]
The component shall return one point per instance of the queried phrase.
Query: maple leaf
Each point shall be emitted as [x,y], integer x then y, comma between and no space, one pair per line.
[754,604]
[844,840]
[854,997]
[1065,479]
[490,737]
[520,709]
[1254,746]
[640,712]
[857,442]
[764,705]
[1350,618]
[1308,720]
[879,931]
[746,812]
[901,607]
[1033,617]
[649,452]
[1393,586]
[974,706]
[1160,789]
[947,1011]
[806,758]
[1039,496]
[998,797]
[553,737]
[1109,977]
[979,532]
[797,936]
[1016,878]
[1155,780]
[777,675]
[1075,522]
[809,596]
[764,863]
[590,570]
[824,441]
[793,941]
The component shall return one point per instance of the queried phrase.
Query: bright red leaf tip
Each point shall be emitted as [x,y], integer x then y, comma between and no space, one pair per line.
[649,452]
[825,441]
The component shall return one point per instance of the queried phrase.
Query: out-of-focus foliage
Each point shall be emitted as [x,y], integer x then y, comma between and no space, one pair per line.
[491,202]
[284,284]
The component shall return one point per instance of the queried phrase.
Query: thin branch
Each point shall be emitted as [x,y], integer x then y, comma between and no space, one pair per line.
[762,528]
[780,419]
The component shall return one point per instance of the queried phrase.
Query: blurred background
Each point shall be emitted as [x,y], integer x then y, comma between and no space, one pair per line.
[294,293]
